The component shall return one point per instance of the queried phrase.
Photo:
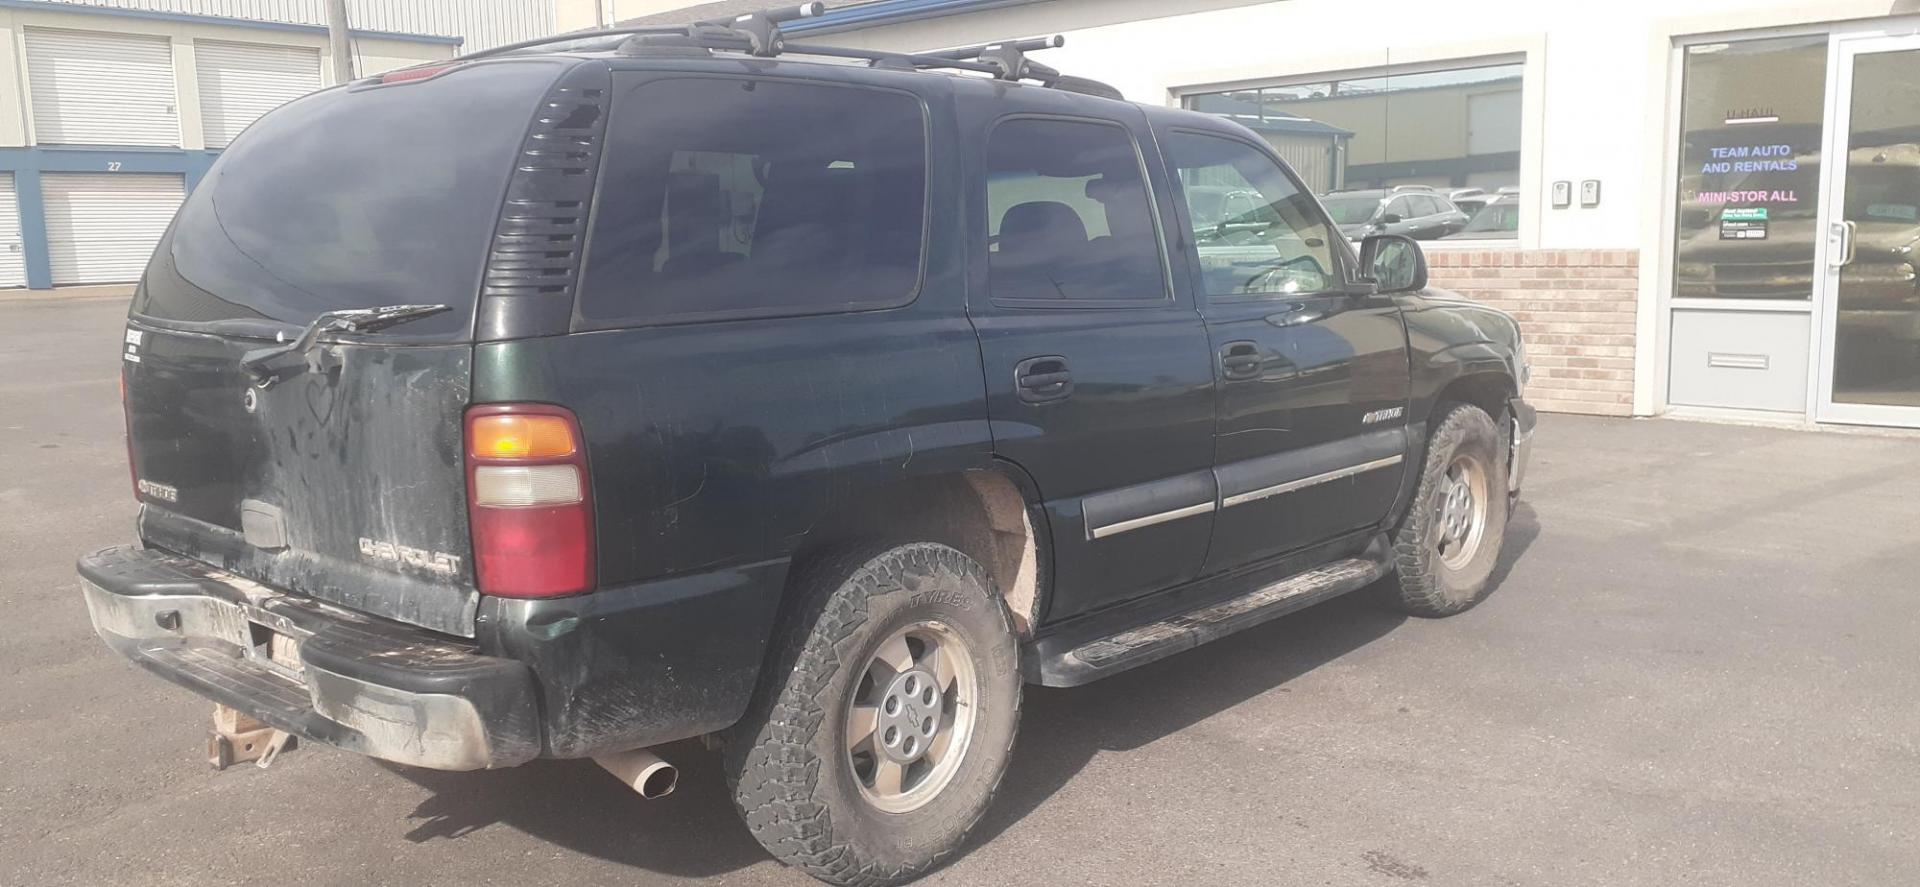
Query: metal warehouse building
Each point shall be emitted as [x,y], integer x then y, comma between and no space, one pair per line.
[1694,207]
[111,110]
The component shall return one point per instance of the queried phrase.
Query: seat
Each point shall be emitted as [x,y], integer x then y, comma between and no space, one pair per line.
[1043,249]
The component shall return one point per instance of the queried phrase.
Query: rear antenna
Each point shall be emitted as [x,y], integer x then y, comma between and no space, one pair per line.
[762,29]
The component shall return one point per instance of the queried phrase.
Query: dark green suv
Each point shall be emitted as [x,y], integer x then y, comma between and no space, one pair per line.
[572,399]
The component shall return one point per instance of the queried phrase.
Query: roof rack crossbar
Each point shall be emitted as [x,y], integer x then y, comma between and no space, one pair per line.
[758,34]
[881,59]
[763,28]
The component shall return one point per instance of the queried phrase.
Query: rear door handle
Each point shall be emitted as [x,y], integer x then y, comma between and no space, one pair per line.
[1043,379]
[1240,360]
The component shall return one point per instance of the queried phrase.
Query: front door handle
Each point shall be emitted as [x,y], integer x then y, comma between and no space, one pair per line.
[1240,360]
[1043,379]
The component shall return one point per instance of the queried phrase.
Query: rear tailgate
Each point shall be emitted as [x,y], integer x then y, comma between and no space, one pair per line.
[345,484]
[344,480]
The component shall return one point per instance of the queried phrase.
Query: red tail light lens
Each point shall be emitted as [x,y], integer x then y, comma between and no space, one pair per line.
[528,501]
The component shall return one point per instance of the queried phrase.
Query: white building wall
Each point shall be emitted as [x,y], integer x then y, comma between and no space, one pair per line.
[483,23]
[1594,105]
[1599,102]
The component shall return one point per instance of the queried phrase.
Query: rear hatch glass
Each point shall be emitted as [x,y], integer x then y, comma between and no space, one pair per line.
[351,198]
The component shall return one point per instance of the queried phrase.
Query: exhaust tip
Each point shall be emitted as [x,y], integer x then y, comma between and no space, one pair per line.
[643,771]
[660,783]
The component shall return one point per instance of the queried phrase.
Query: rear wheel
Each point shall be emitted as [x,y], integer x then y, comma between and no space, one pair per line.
[1448,543]
[888,719]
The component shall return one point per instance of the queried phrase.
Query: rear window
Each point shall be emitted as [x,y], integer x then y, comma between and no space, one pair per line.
[352,199]
[743,197]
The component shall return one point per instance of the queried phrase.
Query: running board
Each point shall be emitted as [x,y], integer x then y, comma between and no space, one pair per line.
[1091,659]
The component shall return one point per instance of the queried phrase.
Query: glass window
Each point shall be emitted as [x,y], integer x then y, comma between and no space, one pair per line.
[1347,209]
[712,206]
[1402,207]
[1498,219]
[1452,129]
[1268,238]
[1068,216]
[312,210]
[1750,127]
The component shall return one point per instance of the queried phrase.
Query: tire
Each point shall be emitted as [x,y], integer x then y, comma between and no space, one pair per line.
[806,794]
[1441,568]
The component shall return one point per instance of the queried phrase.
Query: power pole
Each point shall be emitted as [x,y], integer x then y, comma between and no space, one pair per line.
[340,40]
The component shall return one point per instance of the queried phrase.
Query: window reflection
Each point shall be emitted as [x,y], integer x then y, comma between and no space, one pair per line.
[1418,153]
[1750,120]
[1876,349]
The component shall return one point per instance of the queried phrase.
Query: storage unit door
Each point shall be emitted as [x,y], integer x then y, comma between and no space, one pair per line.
[241,81]
[102,227]
[13,263]
[93,88]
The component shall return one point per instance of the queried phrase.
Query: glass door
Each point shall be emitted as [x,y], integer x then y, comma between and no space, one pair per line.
[1869,249]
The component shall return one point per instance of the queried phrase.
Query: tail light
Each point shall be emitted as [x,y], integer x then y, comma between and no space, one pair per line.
[528,501]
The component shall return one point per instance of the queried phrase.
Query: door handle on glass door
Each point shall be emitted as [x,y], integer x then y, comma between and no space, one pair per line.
[1840,237]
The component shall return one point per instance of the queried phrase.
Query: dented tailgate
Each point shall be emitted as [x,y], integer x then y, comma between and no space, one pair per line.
[343,483]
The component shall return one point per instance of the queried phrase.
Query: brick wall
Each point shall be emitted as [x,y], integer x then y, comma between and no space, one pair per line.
[1576,310]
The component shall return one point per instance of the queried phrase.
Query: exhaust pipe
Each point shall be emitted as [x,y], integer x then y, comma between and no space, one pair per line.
[642,771]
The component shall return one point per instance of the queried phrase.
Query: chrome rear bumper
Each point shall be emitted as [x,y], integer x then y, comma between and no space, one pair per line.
[325,674]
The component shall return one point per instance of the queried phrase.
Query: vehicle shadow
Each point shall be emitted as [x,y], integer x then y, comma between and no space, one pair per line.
[696,833]
[1062,730]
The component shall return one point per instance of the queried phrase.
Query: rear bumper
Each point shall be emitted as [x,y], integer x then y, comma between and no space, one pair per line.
[325,674]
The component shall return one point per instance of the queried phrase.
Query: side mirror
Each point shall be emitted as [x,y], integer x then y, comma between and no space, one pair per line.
[1394,263]
[1390,219]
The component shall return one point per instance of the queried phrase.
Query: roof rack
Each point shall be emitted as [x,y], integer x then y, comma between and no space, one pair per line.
[758,34]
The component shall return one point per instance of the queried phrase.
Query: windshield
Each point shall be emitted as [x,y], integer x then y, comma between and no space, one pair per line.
[1350,210]
[350,198]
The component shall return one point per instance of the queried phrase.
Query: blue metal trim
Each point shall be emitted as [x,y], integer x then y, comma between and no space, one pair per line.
[33,228]
[226,21]
[26,165]
[889,12]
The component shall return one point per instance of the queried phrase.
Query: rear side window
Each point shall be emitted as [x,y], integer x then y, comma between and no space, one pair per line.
[1068,216]
[738,197]
[351,198]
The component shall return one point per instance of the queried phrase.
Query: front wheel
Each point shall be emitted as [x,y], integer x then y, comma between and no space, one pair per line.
[888,720]
[1448,543]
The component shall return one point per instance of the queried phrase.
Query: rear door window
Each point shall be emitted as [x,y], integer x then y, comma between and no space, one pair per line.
[726,197]
[1068,215]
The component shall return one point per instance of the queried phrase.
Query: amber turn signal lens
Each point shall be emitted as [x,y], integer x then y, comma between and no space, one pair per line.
[522,437]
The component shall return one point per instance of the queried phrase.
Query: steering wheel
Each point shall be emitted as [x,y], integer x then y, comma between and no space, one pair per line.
[1254,283]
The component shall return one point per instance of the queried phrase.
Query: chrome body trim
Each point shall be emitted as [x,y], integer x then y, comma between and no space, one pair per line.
[1119,527]
[1303,483]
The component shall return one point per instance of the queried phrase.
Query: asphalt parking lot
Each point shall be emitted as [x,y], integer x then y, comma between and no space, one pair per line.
[1699,668]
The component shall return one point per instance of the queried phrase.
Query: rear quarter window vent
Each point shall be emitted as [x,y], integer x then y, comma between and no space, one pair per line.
[534,264]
